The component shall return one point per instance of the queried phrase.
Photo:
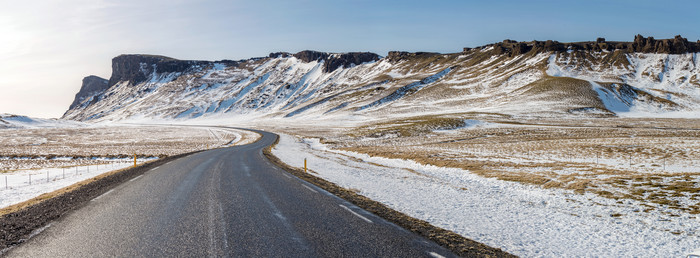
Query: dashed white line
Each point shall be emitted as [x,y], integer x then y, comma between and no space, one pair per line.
[155,168]
[355,213]
[287,175]
[310,189]
[98,197]
[134,179]
[436,255]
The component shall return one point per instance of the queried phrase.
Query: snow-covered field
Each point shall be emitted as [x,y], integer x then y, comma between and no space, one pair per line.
[652,160]
[522,219]
[22,185]
[72,146]
[532,186]
[42,160]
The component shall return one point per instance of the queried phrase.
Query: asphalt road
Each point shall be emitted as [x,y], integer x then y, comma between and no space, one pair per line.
[223,202]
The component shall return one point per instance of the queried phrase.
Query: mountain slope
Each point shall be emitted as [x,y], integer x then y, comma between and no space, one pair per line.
[514,78]
[10,121]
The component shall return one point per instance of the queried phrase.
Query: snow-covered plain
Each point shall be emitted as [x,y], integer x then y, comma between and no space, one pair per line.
[72,146]
[22,185]
[54,157]
[522,219]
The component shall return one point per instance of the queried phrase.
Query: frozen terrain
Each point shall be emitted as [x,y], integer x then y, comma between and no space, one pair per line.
[542,151]
[71,146]
[42,160]
[25,122]
[525,220]
[22,185]
[546,83]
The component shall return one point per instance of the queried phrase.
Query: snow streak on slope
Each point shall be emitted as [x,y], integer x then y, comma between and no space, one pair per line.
[613,102]
[405,90]
[658,82]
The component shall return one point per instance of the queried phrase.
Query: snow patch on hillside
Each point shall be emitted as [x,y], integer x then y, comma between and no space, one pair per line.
[612,101]
[674,77]
[24,122]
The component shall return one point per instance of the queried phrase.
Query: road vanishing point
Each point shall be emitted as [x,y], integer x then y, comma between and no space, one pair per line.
[227,202]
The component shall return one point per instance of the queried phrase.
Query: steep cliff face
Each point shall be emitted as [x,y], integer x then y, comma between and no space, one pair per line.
[543,78]
[92,86]
[331,62]
[137,68]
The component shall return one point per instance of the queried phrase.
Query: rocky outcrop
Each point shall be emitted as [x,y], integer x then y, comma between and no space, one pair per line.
[348,60]
[395,56]
[133,68]
[334,61]
[279,54]
[310,56]
[136,68]
[676,45]
[92,86]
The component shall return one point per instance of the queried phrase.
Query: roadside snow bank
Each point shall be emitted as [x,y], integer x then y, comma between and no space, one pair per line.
[523,220]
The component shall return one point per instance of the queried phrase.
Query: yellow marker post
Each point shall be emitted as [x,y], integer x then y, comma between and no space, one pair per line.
[134,160]
[305,165]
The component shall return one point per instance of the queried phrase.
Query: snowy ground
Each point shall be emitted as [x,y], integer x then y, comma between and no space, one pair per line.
[23,185]
[522,219]
[72,146]
[42,160]
[656,161]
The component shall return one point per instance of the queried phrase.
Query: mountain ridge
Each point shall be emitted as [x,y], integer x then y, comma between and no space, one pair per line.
[482,79]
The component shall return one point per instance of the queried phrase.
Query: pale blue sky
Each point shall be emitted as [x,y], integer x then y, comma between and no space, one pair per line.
[47,47]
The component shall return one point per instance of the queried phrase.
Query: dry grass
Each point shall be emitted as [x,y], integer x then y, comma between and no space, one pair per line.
[656,161]
[411,127]
[574,92]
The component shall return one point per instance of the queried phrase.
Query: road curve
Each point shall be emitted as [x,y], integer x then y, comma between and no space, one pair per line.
[227,202]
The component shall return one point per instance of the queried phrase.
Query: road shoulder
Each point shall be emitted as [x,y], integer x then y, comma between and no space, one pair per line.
[448,239]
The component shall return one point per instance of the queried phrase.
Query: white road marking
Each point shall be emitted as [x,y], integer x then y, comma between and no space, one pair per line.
[310,189]
[225,237]
[155,168]
[38,231]
[98,197]
[436,255]
[286,175]
[355,213]
[134,179]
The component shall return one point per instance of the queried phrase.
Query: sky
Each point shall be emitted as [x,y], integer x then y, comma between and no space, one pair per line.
[48,46]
